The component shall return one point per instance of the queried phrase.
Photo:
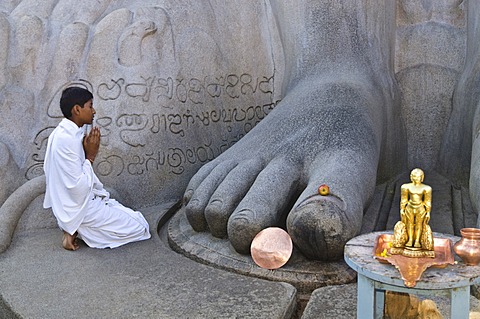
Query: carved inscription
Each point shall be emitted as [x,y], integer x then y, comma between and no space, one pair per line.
[194,90]
[136,128]
[174,158]
[40,145]
[173,110]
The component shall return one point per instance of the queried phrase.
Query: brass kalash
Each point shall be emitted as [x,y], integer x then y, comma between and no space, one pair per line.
[412,236]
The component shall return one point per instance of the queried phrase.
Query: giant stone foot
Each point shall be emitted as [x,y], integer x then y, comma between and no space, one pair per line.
[334,126]
[321,133]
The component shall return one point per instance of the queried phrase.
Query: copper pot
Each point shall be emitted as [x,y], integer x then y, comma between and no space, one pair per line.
[468,248]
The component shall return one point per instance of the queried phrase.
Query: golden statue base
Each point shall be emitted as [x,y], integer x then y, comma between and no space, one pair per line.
[411,269]
[412,252]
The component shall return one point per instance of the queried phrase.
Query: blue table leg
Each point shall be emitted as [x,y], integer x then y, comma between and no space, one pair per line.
[379,303]
[365,298]
[460,302]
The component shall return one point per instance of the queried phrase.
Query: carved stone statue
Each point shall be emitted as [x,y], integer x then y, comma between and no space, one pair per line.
[355,92]
[412,235]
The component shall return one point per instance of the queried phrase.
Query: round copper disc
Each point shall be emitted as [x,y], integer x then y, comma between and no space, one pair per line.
[271,248]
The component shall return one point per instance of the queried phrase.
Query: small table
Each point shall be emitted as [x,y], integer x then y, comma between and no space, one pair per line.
[374,278]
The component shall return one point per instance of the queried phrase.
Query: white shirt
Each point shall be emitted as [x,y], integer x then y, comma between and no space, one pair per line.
[70,179]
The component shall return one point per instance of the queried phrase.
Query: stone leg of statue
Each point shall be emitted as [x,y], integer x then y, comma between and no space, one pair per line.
[460,156]
[330,128]
[321,133]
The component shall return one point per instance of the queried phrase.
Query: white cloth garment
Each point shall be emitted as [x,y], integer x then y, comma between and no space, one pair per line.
[78,199]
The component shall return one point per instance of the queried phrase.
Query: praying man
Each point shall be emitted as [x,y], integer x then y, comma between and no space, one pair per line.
[82,207]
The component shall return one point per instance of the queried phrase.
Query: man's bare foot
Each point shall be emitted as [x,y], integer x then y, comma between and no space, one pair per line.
[69,242]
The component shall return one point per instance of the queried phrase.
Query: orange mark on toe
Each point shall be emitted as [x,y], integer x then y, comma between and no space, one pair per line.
[324,190]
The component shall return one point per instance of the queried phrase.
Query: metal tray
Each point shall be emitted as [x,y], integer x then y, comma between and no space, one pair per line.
[443,257]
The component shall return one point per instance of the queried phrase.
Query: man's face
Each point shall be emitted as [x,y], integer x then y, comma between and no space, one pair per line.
[87,112]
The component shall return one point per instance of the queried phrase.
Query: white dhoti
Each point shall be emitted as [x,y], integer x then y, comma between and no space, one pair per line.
[78,199]
[109,224]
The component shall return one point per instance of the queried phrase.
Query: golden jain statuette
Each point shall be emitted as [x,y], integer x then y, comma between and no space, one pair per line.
[412,236]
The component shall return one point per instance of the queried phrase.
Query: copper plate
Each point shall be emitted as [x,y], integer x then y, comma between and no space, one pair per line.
[411,268]
[271,248]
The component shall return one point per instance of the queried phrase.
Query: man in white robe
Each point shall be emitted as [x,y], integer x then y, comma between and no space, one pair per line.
[78,200]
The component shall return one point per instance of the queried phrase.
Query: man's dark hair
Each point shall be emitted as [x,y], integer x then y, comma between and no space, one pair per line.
[72,96]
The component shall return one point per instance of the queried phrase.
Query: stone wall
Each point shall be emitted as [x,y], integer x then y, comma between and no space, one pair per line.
[175,83]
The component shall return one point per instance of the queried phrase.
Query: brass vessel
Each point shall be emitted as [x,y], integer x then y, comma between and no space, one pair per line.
[468,248]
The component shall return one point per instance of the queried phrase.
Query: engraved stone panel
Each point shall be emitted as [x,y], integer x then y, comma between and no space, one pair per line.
[174,84]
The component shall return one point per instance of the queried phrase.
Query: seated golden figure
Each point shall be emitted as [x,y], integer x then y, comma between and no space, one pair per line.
[412,235]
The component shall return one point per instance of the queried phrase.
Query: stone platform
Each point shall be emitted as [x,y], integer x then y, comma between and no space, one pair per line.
[451,211]
[39,279]
[305,275]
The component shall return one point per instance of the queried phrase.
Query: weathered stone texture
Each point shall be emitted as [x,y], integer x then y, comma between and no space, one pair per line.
[357,92]
[174,84]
